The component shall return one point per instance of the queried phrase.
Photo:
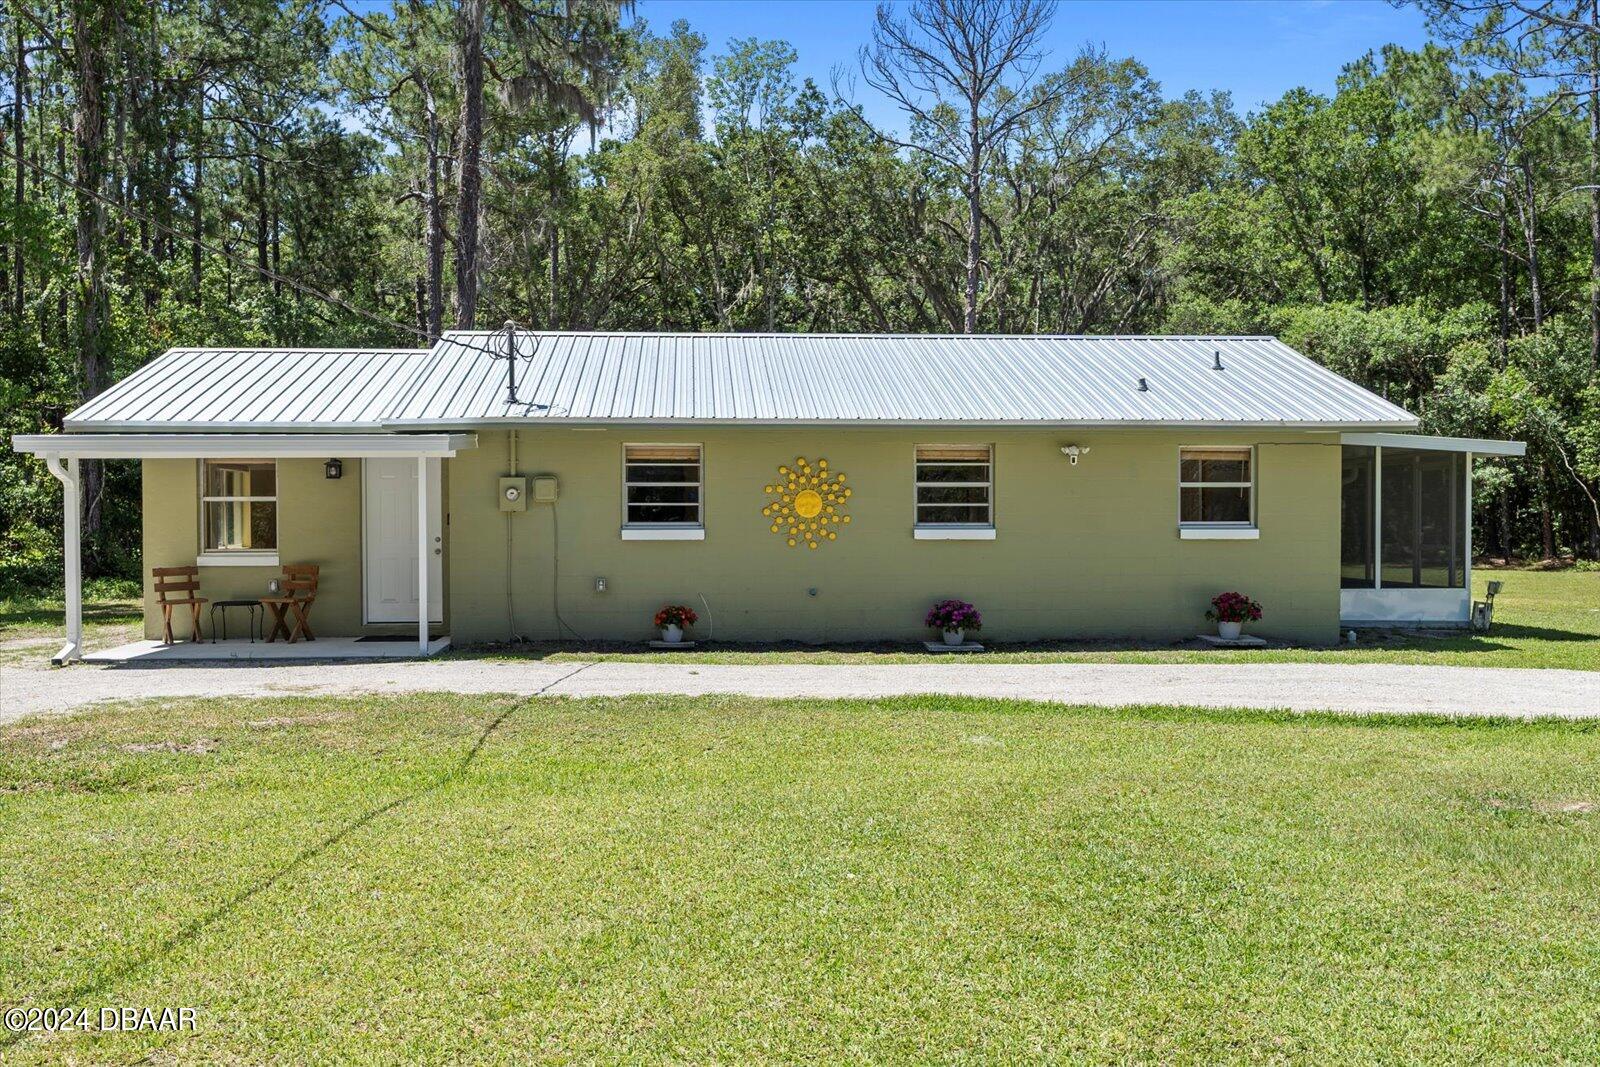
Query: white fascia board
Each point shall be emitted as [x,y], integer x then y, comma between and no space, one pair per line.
[240,445]
[1477,445]
[525,422]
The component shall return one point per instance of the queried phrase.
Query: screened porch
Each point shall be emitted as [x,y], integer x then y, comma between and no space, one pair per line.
[1405,544]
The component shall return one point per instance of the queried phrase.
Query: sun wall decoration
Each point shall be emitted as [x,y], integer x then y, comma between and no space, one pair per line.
[807,503]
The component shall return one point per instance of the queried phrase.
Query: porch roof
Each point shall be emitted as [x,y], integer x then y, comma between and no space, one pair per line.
[1478,446]
[241,445]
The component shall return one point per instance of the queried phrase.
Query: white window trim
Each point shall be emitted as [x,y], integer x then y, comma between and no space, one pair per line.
[1218,531]
[665,531]
[951,531]
[234,557]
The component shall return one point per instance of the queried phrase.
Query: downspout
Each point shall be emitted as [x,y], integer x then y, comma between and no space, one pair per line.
[71,541]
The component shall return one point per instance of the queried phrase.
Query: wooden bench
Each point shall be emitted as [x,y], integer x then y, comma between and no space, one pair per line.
[298,593]
[177,587]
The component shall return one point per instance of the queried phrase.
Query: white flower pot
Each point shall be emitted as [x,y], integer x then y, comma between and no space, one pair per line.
[672,634]
[1229,631]
[954,637]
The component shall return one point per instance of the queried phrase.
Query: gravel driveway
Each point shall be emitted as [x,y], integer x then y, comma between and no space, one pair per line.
[1355,688]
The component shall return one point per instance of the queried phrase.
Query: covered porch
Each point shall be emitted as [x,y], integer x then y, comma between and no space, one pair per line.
[1405,552]
[63,454]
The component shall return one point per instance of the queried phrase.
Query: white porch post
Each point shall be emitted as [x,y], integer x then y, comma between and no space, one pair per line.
[1377,516]
[422,555]
[72,554]
[1466,579]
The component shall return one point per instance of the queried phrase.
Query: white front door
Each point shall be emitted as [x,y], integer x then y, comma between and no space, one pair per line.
[389,537]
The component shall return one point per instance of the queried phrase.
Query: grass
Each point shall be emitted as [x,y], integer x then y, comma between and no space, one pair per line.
[443,878]
[1542,619]
[32,626]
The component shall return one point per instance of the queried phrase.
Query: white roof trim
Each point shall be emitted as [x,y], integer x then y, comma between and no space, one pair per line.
[240,445]
[1481,446]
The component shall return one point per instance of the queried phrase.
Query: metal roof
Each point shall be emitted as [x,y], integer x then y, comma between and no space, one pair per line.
[254,389]
[745,379]
[810,378]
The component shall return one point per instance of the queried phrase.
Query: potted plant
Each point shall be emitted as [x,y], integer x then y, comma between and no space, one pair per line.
[671,620]
[1231,611]
[954,618]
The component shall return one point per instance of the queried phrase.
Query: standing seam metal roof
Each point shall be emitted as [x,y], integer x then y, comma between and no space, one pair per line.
[743,378]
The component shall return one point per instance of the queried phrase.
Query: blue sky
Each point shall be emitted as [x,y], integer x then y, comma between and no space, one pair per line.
[1255,49]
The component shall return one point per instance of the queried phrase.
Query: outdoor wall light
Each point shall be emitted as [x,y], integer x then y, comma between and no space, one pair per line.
[1072,452]
[333,470]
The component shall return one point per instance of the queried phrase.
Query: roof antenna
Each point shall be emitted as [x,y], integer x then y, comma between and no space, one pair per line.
[1216,360]
[1144,386]
[511,361]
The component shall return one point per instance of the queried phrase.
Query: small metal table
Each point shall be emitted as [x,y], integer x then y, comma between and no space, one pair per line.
[251,628]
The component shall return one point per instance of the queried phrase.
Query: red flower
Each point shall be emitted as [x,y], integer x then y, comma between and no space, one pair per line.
[676,615]
[1233,607]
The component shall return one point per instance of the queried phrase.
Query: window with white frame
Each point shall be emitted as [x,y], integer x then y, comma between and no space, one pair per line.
[661,486]
[1216,486]
[238,505]
[955,486]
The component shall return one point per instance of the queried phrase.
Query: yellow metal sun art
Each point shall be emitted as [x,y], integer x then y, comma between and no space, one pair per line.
[807,503]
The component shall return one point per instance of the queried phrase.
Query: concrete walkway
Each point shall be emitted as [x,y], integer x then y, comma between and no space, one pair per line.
[1354,688]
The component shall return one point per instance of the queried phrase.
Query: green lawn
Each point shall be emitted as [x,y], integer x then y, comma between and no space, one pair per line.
[1542,619]
[32,627]
[437,878]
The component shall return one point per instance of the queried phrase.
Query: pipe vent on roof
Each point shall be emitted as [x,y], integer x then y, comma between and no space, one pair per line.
[1144,386]
[1216,360]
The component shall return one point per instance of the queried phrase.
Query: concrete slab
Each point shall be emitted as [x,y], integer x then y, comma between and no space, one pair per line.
[323,648]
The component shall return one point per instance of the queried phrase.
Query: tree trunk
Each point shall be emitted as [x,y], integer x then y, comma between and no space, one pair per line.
[19,191]
[1503,513]
[1530,236]
[89,33]
[974,217]
[1594,183]
[197,263]
[1502,258]
[1547,531]
[469,176]
[433,239]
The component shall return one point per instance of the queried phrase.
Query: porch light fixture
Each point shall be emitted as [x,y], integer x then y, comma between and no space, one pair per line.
[333,470]
[1072,452]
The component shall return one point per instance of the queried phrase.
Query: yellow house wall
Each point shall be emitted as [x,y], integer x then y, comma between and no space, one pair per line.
[1085,551]
[319,521]
[1091,550]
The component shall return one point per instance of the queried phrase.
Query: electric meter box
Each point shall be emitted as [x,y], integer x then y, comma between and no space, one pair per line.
[544,489]
[513,494]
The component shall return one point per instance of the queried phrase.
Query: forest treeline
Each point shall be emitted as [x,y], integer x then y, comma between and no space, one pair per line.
[249,172]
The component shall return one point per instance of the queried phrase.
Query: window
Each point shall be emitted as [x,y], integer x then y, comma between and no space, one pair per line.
[239,505]
[954,488]
[1216,487]
[661,486]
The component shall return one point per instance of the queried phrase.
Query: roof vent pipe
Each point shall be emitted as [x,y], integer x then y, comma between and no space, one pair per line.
[1144,386]
[1216,360]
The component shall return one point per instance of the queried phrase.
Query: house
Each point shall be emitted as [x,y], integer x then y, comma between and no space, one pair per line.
[807,487]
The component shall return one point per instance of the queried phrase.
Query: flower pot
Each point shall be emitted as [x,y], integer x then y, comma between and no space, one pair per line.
[672,634]
[1229,631]
[954,637]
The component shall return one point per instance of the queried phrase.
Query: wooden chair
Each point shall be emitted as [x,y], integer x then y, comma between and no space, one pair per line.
[175,588]
[298,593]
